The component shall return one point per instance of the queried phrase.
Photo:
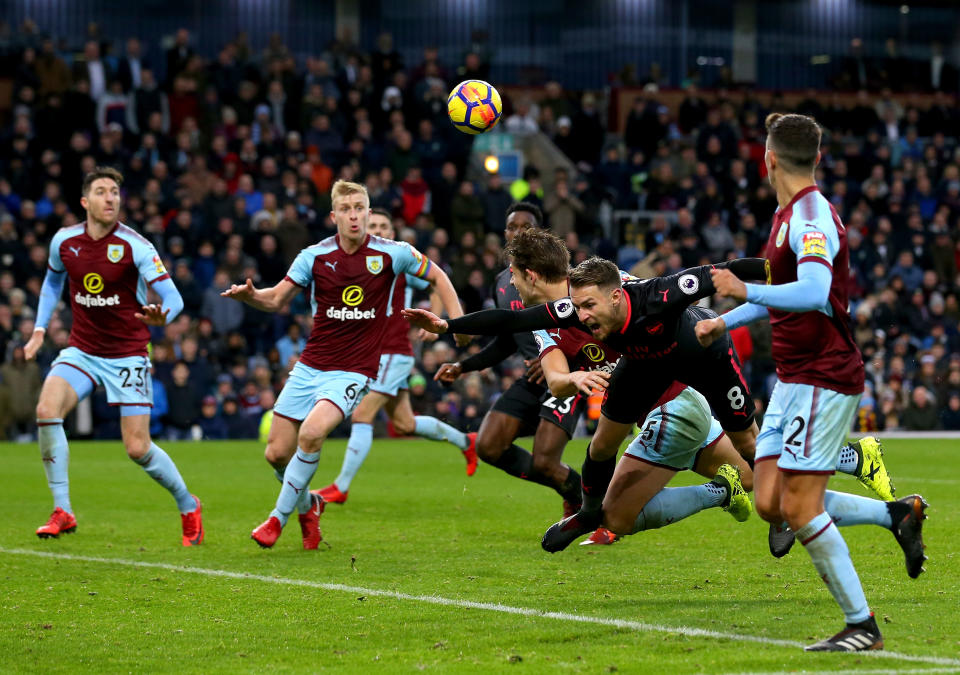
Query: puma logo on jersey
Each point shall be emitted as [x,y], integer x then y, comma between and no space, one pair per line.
[76,251]
[665,291]
[331,265]
[555,336]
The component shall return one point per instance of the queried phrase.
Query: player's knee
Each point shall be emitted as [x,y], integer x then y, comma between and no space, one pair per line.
[311,438]
[137,447]
[600,449]
[768,508]
[490,447]
[47,410]
[275,453]
[405,426]
[545,464]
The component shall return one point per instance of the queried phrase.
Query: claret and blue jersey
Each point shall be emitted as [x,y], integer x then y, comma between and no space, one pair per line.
[108,281]
[352,295]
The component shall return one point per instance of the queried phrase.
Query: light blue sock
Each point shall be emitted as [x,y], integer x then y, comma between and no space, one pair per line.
[358,447]
[673,504]
[161,468]
[304,502]
[56,459]
[434,429]
[847,510]
[296,481]
[831,557]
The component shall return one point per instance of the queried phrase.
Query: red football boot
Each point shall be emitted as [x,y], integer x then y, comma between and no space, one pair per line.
[601,536]
[310,523]
[193,525]
[331,494]
[470,454]
[60,522]
[268,532]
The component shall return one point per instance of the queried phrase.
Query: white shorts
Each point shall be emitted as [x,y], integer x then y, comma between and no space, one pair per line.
[805,426]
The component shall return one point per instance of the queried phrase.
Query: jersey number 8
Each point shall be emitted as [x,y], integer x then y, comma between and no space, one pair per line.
[735,396]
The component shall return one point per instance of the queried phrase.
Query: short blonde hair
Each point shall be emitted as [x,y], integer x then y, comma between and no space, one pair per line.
[344,188]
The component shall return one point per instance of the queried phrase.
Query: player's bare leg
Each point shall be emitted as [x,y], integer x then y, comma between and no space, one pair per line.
[745,441]
[634,483]
[281,442]
[496,435]
[57,399]
[314,430]
[723,452]
[548,469]
[135,430]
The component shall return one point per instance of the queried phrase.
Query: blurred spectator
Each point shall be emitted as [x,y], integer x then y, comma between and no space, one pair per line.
[229,163]
[211,422]
[183,397]
[562,207]
[20,381]
[238,424]
[921,414]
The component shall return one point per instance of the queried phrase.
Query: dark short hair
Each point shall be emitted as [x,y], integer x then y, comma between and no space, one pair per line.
[380,211]
[532,209]
[795,139]
[541,252]
[595,271]
[98,173]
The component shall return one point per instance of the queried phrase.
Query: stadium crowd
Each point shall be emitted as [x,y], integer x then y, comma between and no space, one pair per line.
[228,164]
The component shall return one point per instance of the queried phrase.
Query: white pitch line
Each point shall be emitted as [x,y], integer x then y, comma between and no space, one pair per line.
[880,671]
[639,626]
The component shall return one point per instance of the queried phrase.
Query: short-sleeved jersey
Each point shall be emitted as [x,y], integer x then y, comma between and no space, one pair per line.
[108,280]
[396,339]
[505,296]
[352,296]
[583,352]
[813,347]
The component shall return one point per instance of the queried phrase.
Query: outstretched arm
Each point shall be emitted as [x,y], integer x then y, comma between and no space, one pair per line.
[265,299]
[693,284]
[556,314]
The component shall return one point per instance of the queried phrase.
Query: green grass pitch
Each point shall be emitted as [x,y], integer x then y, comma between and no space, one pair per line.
[416,525]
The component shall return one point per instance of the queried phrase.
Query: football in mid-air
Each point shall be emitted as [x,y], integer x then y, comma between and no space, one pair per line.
[474,106]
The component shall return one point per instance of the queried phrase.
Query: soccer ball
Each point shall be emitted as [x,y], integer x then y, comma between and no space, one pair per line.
[474,106]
